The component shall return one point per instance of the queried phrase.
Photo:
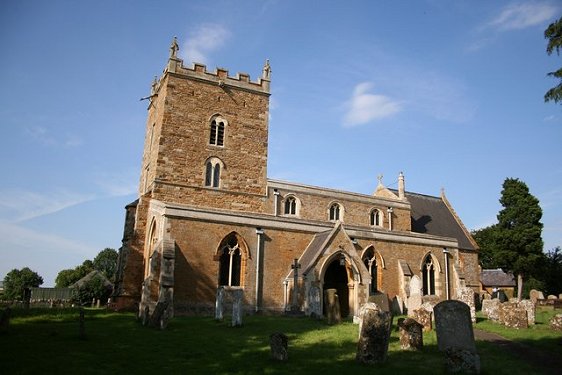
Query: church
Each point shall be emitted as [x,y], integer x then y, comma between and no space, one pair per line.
[208,217]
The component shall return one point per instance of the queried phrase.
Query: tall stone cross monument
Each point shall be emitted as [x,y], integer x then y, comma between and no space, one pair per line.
[295,266]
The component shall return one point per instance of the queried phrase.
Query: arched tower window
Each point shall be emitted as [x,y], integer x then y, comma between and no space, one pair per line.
[230,262]
[335,212]
[370,261]
[213,172]
[376,218]
[428,276]
[290,205]
[216,137]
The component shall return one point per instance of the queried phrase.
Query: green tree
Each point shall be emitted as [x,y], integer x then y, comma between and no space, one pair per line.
[487,241]
[95,288]
[106,262]
[552,271]
[519,242]
[554,35]
[67,277]
[17,280]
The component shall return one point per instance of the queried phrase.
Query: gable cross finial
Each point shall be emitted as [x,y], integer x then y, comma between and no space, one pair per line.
[174,48]
[379,177]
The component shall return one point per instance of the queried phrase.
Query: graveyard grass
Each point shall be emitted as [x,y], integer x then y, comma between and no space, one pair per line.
[43,341]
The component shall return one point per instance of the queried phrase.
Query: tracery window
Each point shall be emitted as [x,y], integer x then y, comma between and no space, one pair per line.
[213,173]
[290,206]
[428,276]
[376,218]
[230,262]
[335,212]
[370,261]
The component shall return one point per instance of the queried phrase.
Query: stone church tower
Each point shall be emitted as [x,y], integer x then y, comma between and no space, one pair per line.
[208,217]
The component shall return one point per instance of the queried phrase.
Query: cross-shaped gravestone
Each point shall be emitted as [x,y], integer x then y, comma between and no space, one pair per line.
[295,266]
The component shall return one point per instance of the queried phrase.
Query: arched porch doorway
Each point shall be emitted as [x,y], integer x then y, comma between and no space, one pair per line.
[336,277]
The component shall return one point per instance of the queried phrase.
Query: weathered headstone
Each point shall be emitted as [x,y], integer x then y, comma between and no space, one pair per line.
[361,312]
[159,314]
[145,316]
[556,322]
[374,337]
[332,304]
[466,295]
[423,317]
[278,343]
[512,316]
[535,295]
[455,336]
[486,295]
[490,308]
[219,303]
[237,296]
[314,302]
[381,300]
[397,305]
[415,286]
[411,334]
[414,302]
[551,296]
[5,316]
[530,308]
[81,325]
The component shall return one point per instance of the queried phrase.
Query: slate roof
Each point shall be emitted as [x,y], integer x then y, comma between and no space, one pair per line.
[431,215]
[496,278]
[311,253]
[88,277]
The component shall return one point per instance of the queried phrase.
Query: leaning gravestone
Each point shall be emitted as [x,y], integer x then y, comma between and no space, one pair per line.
[237,296]
[455,336]
[397,305]
[411,334]
[374,337]
[159,315]
[278,343]
[414,303]
[423,317]
[219,304]
[332,306]
[381,300]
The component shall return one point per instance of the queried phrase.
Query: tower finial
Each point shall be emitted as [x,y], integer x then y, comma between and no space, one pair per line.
[174,48]
[266,74]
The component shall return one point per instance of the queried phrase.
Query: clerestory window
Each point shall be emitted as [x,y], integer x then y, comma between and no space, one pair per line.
[290,206]
[376,218]
[335,212]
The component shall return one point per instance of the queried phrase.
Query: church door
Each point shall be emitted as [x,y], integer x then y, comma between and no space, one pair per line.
[336,278]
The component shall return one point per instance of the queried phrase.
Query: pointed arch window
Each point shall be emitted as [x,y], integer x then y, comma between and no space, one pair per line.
[230,263]
[216,137]
[376,218]
[428,276]
[370,261]
[335,212]
[213,172]
[290,205]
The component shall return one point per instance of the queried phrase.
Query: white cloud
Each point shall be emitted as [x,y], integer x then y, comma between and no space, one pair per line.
[523,15]
[43,136]
[26,205]
[119,184]
[205,39]
[364,106]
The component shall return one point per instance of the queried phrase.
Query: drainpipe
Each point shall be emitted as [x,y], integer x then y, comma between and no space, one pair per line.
[259,233]
[276,202]
[446,254]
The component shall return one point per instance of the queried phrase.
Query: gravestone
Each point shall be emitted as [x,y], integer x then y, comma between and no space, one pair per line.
[455,336]
[145,316]
[551,296]
[237,312]
[362,309]
[219,303]
[414,302]
[530,308]
[397,305]
[81,325]
[535,295]
[415,286]
[381,300]
[486,295]
[490,308]
[428,306]
[332,304]
[314,303]
[5,316]
[556,322]
[159,315]
[278,343]
[466,295]
[423,317]
[374,337]
[513,316]
[411,334]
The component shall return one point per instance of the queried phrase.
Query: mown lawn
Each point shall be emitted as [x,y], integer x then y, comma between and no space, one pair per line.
[48,342]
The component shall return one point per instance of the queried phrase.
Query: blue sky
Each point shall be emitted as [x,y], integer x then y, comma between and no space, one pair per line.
[450,93]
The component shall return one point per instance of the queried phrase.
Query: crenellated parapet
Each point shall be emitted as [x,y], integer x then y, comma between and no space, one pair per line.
[219,77]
